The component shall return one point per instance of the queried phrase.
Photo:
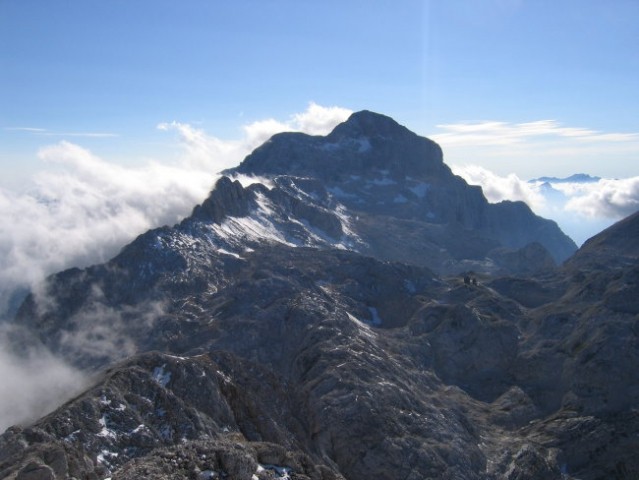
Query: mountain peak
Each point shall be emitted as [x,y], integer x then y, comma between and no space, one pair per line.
[575,178]
[364,143]
[370,124]
[370,163]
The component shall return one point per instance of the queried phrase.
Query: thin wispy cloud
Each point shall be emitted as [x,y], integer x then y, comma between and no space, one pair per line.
[25,129]
[80,134]
[47,133]
[504,133]
[531,148]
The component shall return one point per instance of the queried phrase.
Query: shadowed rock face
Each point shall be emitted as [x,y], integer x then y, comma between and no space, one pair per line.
[385,174]
[308,326]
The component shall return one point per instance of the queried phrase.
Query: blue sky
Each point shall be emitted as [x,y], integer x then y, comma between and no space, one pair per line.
[104,74]
[115,115]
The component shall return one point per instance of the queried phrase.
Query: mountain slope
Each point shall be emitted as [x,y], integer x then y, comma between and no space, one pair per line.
[376,167]
[616,243]
[301,323]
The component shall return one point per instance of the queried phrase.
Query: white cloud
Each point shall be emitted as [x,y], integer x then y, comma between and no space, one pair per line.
[581,209]
[260,131]
[497,188]
[606,198]
[316,120]
[529,148]
[48,133]
[203,150]
[85,210]
[504,133]
[25,129]
[81,209]
[33,384]
[80,134]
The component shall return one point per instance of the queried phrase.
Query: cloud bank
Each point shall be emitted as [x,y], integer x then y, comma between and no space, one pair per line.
[606,199]
[83,209]
[581,209]
[80,210]
[33,384]
[497,188]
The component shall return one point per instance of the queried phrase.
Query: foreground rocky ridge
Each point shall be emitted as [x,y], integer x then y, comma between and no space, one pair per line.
[306,324]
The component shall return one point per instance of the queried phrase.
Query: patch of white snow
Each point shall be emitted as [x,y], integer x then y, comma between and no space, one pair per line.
[364,145]
[382,182]
[247,180]
[226,252]
[282,473]
[206,475]
[105,432]
[104,456]
[225,377]
[364,329]
[420,189]
[375,318]
[160,376]
[409,286]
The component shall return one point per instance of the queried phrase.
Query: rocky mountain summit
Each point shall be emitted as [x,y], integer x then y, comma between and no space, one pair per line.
[395,185]
[344,307]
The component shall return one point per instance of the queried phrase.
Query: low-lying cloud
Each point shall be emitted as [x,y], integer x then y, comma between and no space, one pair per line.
[581,209]
[80,210]
[497,188]
[85,210]
[607,198]
[33,384]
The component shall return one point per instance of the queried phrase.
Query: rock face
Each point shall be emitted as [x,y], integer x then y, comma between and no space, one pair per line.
[308,321]
[385,175]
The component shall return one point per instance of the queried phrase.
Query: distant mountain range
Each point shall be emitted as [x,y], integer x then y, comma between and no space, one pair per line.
[576,178]
[344,307]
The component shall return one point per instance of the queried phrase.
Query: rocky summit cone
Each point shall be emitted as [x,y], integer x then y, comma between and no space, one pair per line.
[366,142]
[384,176]
[344,307]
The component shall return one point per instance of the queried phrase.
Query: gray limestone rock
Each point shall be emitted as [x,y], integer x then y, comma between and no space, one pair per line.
[315,324]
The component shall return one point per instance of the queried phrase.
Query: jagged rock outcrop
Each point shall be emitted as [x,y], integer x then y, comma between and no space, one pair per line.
[313,322]
[228,199]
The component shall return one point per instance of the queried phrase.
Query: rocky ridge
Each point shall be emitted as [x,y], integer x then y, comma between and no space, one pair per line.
[308,320]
